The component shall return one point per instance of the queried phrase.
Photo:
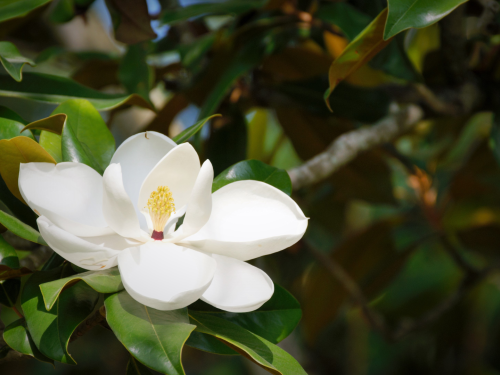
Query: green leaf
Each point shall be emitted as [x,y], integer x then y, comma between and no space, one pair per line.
[51,330]
[85,137]
[11,115]
[55,89]
[404,14]
[106,281]
[134,72]
[17,336]
[65,10]
[8,255]
[134,367]
[153,337]
[20,229]
[13,61]
[209,344]
[274,320]
[10,129]
[192,130]
[254,170]
[233,7]
[357,53]
[18,8]
[267,355]
[51,142]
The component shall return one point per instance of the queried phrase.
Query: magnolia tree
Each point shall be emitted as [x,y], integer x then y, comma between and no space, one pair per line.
[346,150]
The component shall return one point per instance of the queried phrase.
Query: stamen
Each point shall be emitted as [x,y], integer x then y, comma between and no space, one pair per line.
[161,206]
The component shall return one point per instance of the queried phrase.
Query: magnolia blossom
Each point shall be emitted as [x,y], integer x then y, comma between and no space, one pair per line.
[128,217]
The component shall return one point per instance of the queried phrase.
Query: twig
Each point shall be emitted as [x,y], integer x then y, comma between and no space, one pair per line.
[346,147]
[338,272]
[457,257]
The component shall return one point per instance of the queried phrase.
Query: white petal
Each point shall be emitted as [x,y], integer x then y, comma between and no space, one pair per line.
[177,170]
[165,276]
[91,253]
[117,207]
[137,156]
[69,194]
[249,219]
[238,286]
[199,206]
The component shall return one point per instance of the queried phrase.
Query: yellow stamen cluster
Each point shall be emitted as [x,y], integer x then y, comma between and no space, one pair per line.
[161,206]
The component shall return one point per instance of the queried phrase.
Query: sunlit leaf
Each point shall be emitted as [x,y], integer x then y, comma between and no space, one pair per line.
[15,151]
[153,337]
[20,229]
[17,336]
[105,281]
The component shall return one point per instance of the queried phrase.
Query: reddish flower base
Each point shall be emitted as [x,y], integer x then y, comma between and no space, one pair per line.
[157,236]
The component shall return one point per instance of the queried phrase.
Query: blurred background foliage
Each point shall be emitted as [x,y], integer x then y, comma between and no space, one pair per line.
[398,272]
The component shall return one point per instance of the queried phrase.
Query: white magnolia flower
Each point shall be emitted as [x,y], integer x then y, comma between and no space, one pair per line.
[128,218]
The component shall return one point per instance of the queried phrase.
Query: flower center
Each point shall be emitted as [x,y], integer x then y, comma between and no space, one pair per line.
[161,206]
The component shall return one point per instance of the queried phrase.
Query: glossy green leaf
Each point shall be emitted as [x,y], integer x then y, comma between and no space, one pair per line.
[20,229]
[209,344]
[404,14]
[17,336]
[18,8]
[274,320]
[12,60]
[265,354]
[51,142]
[105,281]
[254,170]
[85,136]
[55,89]
[134,367]
[153,337]
[9,291]
[51,330]
[233,7]
[192,130]
[10,129]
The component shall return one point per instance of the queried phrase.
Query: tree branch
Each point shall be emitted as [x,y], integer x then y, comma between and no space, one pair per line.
[346,147]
